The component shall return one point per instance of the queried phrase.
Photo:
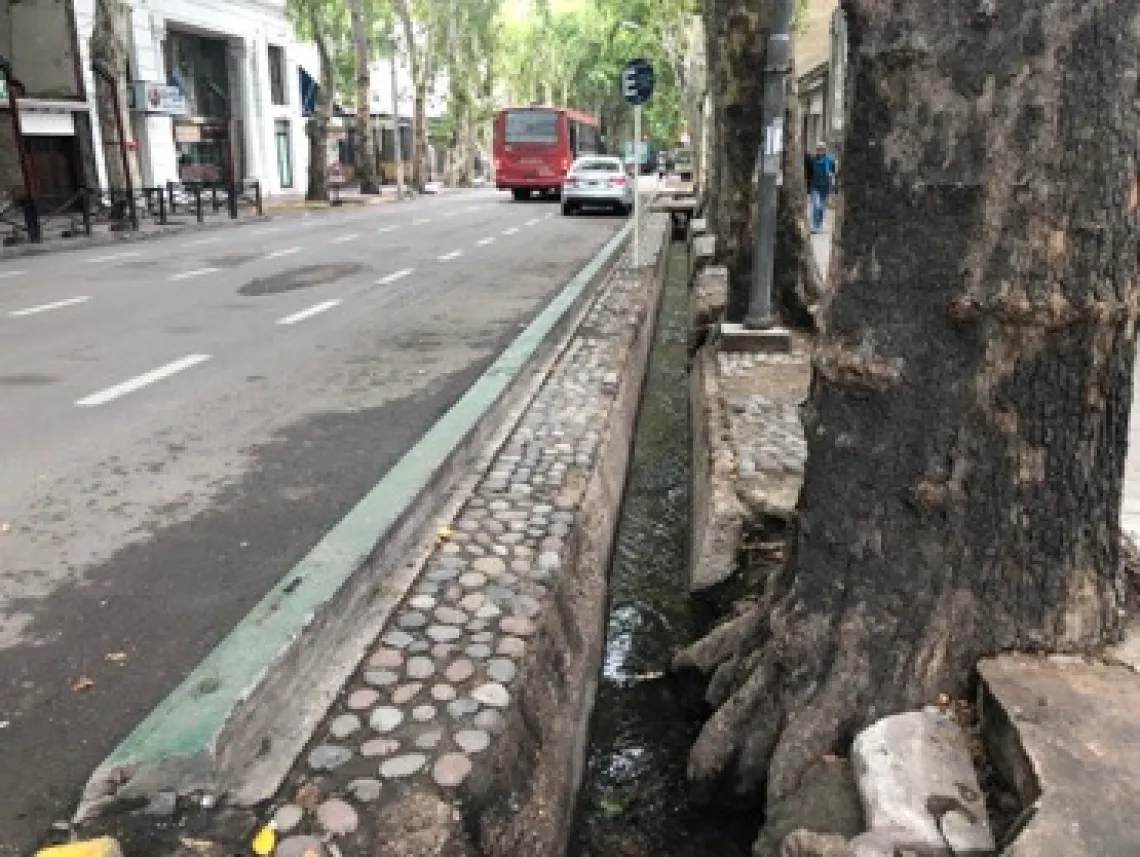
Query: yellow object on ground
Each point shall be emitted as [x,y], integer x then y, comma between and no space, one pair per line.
[265,841]
[105,847]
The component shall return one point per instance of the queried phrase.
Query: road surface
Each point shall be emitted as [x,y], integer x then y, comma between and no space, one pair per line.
[182,418]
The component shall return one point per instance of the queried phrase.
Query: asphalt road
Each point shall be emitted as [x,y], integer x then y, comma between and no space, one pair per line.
[181,419]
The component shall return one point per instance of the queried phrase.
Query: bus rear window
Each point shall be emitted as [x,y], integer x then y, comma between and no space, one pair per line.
[532,126]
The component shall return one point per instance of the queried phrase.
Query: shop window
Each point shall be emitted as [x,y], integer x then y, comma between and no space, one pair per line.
[284,145]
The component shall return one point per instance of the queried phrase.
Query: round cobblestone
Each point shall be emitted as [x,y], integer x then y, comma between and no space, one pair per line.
[379,747]
[517,626]
[473,580]
[381,678]
[337,817]
[405,693]
[419,647]
[490,565]
[399,767]
[451,769]
[492,694]
[422,602]
[490,720]
[442,651]
[328,757]
[460,671]
[443,692]
[365,790]
[300,846]
[450,616]
[478,651]
[343,726]
[460,708]
[489,611]
[385,719]
[287,818]
[429,740]
[420,668]
[511,647]
[472,601]
[423,713]
[360,700]
[386,659]
[472,741]
[444,633]
[398,639]
[502,670]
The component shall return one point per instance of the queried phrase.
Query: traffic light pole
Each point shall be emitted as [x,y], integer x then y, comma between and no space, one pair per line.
[636,190]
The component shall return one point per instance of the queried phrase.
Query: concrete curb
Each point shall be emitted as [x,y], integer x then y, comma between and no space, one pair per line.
[233,726]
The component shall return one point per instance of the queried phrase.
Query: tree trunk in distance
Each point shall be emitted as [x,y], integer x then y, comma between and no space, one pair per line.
[366,148]
[109,40]
[740,132]
[318,127]
[798,281]
[968,415]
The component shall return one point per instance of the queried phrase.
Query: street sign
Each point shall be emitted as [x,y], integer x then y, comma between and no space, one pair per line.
[637,81]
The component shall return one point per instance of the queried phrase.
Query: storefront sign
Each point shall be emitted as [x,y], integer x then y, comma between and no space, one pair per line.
[158,98]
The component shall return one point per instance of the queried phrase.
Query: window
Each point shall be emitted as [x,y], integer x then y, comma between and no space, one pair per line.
[531,126]
[388,144]
[284,143]
[277,92]
[600,165]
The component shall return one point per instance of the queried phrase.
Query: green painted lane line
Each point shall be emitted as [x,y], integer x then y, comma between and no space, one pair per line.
[191,720]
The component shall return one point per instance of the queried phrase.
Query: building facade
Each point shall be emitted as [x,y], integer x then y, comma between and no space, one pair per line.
[37,42]
[210,81]
[823,92]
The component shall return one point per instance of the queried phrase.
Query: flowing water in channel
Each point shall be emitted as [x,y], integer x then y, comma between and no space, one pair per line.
[634,798]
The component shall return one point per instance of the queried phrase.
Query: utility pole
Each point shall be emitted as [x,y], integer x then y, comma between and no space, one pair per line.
[769,175]
[112,81]
[396,123]
[637,82]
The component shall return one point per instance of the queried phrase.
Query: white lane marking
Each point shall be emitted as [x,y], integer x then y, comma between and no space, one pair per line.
[197,272]
[532,222]
[342,239]
[308,313]
[115,257]
[202,241]
[419,221]
[391,278]
[452,255]
[288,251]
[137,383]
[391,228]
[35,310]
[483,242]
[511,231]
[6,274]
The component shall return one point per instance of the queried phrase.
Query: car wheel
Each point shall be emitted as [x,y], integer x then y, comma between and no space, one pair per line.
[520,195]
[567,209]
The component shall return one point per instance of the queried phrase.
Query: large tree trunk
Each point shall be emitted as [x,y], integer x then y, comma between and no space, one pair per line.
[417,65]
[967,421]
[716,64]
[109,46]
[318,127]
[366,143]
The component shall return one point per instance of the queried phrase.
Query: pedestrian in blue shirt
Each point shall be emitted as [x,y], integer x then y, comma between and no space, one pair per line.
[822,180]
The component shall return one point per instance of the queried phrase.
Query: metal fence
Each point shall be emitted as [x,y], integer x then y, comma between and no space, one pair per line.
[30,221]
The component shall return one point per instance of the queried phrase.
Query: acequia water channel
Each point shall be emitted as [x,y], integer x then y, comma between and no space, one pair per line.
[634,800]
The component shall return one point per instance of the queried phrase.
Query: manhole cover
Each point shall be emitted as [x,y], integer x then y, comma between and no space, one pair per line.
[298,278]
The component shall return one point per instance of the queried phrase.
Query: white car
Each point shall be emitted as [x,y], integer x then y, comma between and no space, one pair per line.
[597,181]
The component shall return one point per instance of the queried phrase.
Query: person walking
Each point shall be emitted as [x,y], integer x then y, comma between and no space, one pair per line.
[822,180]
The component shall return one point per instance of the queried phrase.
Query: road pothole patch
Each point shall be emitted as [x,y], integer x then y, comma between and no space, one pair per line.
[26,379]
[298,278]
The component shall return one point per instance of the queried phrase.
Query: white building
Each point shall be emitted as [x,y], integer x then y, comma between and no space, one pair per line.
[192,62]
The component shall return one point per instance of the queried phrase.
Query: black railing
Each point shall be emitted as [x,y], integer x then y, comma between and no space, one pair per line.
[121,211]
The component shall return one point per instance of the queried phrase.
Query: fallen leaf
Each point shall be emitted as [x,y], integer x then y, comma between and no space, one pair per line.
[82,683]
[116,657]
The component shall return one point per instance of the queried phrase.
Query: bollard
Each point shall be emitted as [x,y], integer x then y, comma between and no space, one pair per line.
[32,221]
[214,197]
[170,197]
[133,210]
[257,198]
[232,191]
[161,208]
[85,210]
[198,200]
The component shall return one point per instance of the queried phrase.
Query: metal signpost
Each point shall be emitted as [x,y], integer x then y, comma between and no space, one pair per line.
[637,82]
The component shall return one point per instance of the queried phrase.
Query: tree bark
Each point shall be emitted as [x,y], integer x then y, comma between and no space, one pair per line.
[109,46]
[318,127]
[417,64]
[715,67]
[366,146]
[967,420]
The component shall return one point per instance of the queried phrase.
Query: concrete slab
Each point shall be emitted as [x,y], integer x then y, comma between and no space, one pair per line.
[1065,733]
[738,339]
[916,776]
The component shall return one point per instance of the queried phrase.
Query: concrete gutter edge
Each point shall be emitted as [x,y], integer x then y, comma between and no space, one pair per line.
[227,729]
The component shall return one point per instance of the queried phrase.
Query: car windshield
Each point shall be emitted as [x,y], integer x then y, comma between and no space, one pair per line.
[597,166]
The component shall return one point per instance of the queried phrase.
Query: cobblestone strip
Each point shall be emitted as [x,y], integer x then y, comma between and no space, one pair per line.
[766,434]
[430,698]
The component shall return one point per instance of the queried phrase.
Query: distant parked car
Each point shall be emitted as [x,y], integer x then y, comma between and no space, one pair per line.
[597,181]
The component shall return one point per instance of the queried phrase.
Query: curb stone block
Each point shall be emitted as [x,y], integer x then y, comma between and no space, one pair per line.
[104,847]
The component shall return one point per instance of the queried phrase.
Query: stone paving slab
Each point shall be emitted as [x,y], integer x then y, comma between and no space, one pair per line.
[429,709]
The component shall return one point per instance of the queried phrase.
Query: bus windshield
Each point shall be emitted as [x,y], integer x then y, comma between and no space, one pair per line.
[531,126]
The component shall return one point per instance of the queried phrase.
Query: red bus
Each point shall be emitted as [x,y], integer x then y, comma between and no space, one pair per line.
[535,146]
